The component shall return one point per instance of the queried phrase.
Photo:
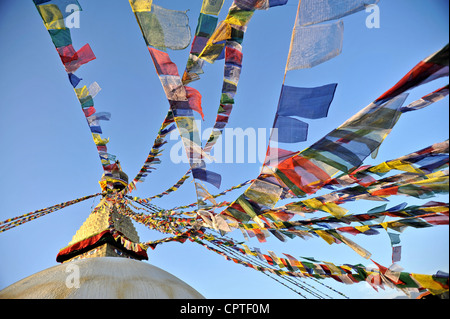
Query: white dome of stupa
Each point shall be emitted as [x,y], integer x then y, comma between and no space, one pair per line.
[101,277]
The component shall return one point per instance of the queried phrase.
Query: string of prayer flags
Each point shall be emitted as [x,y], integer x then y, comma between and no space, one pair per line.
[177,96]
[162,28]
[312,268]
[317,11]
[348,145]
[85,96]
[382,186]
[424,161]
[216,195]
[232,71]
[227,41]
[206,25]
[155,151]
[428,99]
[19,220]
[173,188]
[344,149]
[433,67]
[232,28]
[346,273]
[232,48]
[55,15]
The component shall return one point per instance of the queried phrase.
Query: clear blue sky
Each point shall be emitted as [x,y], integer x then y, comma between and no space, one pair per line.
[48,156]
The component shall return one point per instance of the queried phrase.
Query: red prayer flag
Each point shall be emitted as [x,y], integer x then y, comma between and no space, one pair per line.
[163,64]
[386,191]
[303,173]
[233,56]
[195,100]
[433,67]
[88,111]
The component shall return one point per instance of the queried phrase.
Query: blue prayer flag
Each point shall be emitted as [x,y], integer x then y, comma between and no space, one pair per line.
[311,103]
[274,3]
[74,80]
[207,176]
[290,130]
[96,129]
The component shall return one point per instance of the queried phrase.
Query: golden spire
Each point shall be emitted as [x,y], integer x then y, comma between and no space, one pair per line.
[106,232]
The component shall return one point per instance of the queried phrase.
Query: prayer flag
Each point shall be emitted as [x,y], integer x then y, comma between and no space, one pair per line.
[289,130]
[431,68]
[428,99]
[163,28]
[207,176]
[316,11]
[141,5]
[212,6]
[314,45]
[311,103]
[206,25]
[74,80]
[194,100]
[60,37]
[163,64]
[274,3]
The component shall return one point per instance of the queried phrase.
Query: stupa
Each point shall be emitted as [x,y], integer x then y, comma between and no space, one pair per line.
[103,260]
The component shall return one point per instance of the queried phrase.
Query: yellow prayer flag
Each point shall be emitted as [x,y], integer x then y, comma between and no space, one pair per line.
[141,5]
[358,249]
[276,259]
[325,236]
[436,183]
[82,92]
[238,16]
[302,268]
[437,174]
[403,166]
[98,140]
[362,229]
[437,209]
[427,281]
[222,33]
[264,193]
[335,210]
[211,6]
[313,203]
[211,52]
[52,16]
[333,268]
[248,251]
[380,168]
